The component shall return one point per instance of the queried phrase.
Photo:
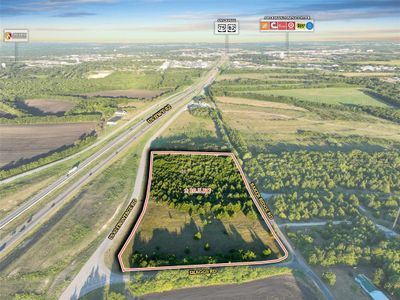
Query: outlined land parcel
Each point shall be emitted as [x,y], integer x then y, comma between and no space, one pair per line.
[199,211]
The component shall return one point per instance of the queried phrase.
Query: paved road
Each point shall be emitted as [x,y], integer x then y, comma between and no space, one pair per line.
[139,129]
[306,224]
[65,178]
[95,274]
[389,233]
[298,262]
[98,142]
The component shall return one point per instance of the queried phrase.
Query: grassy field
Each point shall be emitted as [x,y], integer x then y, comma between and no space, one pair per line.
[172,231]
[190,133]
[51,255]
[279,124]
[328,95]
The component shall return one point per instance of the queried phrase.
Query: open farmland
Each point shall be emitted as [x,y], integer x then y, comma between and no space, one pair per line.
[277,287]
[340,95]
[50,106]
[134,93]
[27,141]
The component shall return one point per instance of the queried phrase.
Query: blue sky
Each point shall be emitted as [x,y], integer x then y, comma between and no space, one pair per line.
[192,21]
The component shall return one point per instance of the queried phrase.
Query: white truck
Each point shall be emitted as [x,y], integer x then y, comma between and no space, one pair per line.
[72,170]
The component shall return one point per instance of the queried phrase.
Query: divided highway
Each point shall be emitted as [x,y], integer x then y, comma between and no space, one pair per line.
[132,134]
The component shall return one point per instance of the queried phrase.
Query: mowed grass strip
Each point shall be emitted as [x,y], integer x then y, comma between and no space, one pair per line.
[340,95]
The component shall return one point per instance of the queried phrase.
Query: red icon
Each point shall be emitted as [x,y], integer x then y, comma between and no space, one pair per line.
[282,25]
[274,25]
[291,25]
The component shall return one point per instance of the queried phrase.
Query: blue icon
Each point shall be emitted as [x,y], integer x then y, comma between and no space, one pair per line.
[310,25]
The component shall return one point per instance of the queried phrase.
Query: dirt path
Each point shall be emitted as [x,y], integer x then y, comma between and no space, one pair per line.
[274,288]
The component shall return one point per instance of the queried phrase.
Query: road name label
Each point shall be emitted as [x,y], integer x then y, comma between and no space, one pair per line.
[203,271]
[261,201]
[159,113]
[122,219]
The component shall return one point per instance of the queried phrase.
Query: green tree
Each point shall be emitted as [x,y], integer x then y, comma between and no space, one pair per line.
[115,296]
[379,276]
[197,236]
[207,246]
[329,277]
[266,252]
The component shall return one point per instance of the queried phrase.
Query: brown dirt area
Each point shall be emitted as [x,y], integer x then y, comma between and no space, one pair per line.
[26,141]
[274,288]
[50,106]
[141,94]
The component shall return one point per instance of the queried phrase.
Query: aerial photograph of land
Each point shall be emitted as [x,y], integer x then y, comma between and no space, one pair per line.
[204,198]
[152,150]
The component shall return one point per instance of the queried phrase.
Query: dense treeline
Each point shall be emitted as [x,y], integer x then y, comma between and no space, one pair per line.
[173,173]
[304,205]
[378,171]
[96,117]
[382,205]
[351,244]
[322,184]
[67,84]
[160,259]
[56,83]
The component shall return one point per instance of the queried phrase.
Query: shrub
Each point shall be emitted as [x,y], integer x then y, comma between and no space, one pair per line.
[329,277]
[207,246]
[197,236]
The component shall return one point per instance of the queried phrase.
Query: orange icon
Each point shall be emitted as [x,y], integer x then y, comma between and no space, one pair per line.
[8,36]
[264,25]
